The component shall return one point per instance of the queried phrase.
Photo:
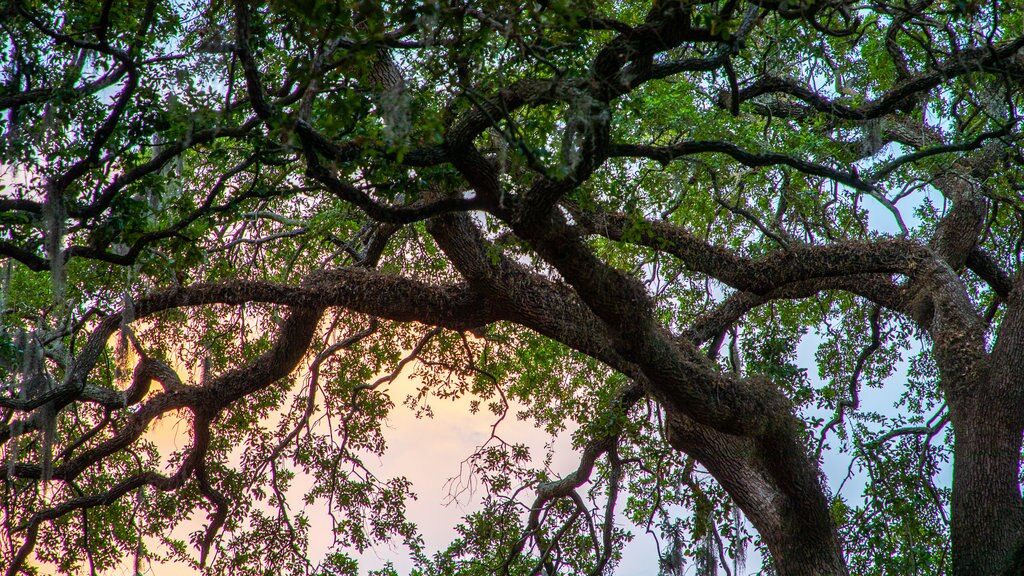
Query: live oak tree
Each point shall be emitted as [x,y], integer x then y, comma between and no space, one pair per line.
[616,219]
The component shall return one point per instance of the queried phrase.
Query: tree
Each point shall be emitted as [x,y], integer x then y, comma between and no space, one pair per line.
[622,216]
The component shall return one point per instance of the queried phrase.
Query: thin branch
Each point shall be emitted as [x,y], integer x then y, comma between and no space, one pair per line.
[387,378]
[853,402]
[314,377]
[666,154]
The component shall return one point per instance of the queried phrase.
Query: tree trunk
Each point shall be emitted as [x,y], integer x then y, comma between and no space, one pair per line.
[778,488]
[986,402]
[987,520]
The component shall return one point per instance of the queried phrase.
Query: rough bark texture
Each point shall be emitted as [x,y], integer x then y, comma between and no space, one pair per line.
[777,487]
[987,523]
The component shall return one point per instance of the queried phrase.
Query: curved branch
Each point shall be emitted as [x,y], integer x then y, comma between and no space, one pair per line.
[373,209]
[974,144]
[666,154]
[314,382]
[31,528]
[981,263]
[561,488]
[764,274]
[876,288]
[853,403]
[167,152]
[220,503]
[965,61]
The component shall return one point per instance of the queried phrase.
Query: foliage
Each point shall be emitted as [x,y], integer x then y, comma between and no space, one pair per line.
[627,222]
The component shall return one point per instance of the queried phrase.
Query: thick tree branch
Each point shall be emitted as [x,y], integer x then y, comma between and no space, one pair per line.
[981,263]
[762,275]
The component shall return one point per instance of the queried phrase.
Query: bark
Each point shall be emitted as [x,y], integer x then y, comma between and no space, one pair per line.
[777,487]
[987,516]
[983,390]
[987,523]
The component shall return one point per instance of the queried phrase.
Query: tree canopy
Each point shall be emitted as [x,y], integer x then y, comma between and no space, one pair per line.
[618,220]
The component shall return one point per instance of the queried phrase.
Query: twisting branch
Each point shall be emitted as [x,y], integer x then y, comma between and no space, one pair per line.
[928,430]
[749,216]
[106,128]
[981,263]
[975,144]
[158,481]
[666,154]
[373,209]
[964,62]
[201,434]
[770,272]
[243,50]
[614,479]
[561,488]
[853,402]
[566,486]
[89,434]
